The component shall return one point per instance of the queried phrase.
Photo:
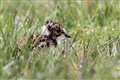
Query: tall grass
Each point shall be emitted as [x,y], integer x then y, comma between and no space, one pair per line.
[91,54]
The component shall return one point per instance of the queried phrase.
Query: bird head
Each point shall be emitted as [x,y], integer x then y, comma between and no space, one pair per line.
[54,29]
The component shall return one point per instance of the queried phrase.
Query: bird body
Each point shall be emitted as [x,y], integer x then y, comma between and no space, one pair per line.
[52,32]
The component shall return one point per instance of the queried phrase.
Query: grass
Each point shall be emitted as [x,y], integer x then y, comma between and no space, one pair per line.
[91,54]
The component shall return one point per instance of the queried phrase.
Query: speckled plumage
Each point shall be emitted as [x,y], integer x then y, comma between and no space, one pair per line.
[49,35]
[51,31]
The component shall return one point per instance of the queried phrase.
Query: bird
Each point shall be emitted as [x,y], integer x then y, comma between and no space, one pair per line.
[52,33]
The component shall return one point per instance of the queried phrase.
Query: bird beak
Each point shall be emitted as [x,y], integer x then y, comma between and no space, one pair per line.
[67,35]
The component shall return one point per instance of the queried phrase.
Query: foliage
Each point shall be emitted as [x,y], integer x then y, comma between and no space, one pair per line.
[91,54]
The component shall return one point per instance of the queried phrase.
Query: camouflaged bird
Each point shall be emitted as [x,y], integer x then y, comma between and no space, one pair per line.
[52,33]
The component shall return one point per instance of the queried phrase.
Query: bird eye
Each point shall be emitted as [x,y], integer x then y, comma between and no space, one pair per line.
[49,28]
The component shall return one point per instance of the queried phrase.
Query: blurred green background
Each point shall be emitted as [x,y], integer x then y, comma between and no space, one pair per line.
[93,53]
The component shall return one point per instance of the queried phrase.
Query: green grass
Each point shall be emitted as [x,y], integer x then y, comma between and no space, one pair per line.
[92,53]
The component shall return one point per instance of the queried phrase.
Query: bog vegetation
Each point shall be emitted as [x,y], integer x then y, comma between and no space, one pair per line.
[93,53]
